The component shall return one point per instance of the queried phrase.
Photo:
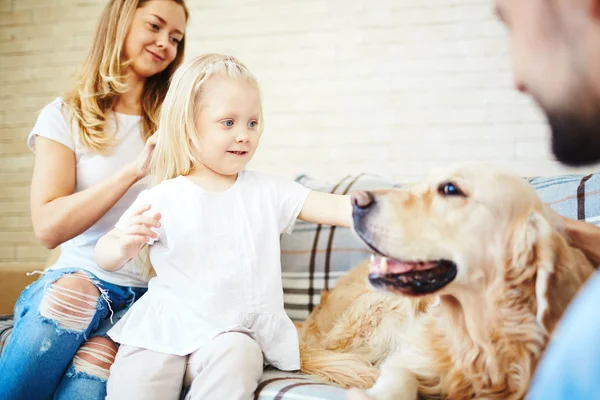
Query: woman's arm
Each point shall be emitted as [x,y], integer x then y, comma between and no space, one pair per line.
[58,214]
[327,209]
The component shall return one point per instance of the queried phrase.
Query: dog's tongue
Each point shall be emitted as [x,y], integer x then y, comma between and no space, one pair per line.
[384,265]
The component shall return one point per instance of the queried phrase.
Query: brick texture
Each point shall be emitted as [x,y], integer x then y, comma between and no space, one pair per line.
[392,87]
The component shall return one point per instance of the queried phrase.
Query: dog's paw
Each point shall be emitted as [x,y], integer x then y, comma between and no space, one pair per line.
[356,394]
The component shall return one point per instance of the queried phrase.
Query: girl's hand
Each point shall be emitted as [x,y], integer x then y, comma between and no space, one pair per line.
[137,232]
[142,163]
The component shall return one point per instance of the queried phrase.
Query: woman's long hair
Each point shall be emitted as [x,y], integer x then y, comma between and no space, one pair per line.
[100,79]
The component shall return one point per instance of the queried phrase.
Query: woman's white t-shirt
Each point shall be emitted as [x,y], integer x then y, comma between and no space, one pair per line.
[92,168]
[218,264]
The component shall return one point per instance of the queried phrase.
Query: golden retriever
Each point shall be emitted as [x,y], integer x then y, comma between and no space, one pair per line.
[470,279]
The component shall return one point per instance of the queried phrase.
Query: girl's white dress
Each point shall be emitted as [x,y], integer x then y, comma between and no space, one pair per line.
[218,264]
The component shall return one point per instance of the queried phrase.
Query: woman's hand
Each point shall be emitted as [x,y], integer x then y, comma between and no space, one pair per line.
[142,163]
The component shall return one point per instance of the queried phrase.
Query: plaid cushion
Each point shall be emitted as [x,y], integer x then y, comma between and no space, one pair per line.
[279,385]
[573,196]
[315,256]
[6,324]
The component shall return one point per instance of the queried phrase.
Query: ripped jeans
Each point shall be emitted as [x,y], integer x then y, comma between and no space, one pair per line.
[59,348]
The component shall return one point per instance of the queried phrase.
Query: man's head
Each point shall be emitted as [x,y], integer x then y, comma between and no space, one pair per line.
[555,46]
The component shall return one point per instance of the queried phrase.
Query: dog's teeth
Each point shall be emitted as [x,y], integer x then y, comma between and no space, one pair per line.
[383,265]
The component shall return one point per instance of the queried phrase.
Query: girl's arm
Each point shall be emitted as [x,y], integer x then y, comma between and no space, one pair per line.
[58,214]
[327,209]
[108,252]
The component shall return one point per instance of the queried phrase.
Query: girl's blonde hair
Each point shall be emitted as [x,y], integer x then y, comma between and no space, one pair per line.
[100,79]
[177,143]
[176,151]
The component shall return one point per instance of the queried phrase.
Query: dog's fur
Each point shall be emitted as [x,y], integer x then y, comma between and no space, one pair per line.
[480,336]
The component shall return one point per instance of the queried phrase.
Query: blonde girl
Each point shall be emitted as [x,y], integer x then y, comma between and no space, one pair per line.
[214,312]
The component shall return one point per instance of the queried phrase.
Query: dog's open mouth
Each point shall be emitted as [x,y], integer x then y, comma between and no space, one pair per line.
[410,277]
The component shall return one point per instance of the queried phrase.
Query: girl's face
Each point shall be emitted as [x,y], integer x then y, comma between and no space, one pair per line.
[152,40]
[227,124]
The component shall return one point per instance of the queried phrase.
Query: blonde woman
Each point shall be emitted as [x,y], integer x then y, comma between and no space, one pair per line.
[214,311]
[92,148]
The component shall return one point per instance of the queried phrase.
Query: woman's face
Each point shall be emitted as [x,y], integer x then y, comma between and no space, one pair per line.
[153,38]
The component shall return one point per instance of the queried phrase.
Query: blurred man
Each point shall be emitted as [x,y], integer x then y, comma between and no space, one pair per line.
[556,58]
[555,47]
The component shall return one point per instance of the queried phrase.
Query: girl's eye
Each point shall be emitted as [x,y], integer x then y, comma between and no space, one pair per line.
[175,40]
[154,27]
[252,124]
[228,122]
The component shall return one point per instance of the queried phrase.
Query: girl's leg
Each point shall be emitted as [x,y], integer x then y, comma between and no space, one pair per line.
[53,317]
[146,375]
[228,367]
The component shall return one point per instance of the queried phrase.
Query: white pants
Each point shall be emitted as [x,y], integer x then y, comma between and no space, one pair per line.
[228,367]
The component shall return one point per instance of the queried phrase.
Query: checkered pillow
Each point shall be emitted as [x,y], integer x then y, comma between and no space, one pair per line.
[315,256]
[6,324]
[280,385]
[573,196]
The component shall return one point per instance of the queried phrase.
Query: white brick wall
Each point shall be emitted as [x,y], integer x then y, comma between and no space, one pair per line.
[393,87]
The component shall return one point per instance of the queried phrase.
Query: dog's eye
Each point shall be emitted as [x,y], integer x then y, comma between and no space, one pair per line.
[450,189]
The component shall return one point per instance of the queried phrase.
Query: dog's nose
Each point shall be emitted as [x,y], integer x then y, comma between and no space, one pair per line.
[362,199]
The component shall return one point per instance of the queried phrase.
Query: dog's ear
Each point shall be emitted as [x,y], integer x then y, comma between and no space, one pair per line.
[541,254]
[534,257]
[545,246]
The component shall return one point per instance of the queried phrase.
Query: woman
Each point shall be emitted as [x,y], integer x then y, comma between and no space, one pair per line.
[92,149]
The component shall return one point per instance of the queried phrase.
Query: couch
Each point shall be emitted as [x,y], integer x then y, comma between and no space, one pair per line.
[315,256]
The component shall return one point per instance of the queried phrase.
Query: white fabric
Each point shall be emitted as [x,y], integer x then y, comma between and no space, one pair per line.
[229,368]
[92,168]
[218,264]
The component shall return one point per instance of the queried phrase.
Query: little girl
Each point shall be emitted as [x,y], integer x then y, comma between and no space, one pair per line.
[215,307]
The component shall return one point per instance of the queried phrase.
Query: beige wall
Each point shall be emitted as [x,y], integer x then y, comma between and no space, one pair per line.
[392,87]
